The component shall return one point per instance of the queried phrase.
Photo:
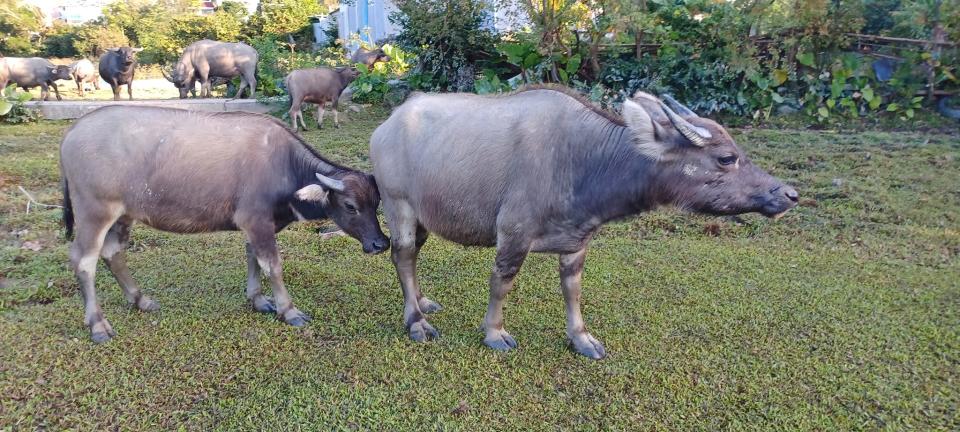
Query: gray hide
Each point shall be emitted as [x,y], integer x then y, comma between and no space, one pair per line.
[188,172]
[540,171]
[319,86]
[32,72]
[82,72]
[205,59]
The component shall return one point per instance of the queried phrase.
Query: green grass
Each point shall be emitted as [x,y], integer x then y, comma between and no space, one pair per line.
[843,315]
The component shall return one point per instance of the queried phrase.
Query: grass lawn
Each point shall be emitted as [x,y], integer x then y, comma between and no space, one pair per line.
[843,315]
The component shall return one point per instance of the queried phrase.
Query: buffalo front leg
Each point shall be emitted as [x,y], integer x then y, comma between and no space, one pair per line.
[116,90]
[113,255]
[406,238]
[264,243]
[319,116]
[80,87]
[130,90]
[510,256]
[260,302]
[92,227]
[571,275]
[56,91]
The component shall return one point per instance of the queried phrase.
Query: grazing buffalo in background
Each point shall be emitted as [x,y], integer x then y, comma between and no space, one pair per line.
[319,86]
[206,59]
[540,171]
[369,57]
[82,72]
[189,172]
[32,72]
[116,68]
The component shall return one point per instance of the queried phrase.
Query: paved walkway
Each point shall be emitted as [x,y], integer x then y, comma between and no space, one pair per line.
[59,110]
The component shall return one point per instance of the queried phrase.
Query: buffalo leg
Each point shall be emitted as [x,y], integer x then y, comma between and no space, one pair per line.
[511,253]
[116,90]
[80,87]
[96,84]
[320,115]
[571,275]
[407,237]
[56,91]
[264,243]
[92,228]
[260,302]
[129,90]
[44,92]
[336,116]
[116,260]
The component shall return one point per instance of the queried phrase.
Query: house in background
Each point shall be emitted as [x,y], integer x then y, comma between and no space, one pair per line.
[369,20]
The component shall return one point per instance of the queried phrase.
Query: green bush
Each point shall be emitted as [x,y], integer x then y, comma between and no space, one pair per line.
[12,108]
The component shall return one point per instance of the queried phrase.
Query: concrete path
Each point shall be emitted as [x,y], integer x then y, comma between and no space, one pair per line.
[67,109]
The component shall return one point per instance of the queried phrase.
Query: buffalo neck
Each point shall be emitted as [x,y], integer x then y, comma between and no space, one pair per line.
[306,163]
[614,180]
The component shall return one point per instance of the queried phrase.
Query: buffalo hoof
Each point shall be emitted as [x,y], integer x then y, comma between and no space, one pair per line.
[146,304]
[429,306]
[264,305]
[587,346]
[336,125]
[295,318]
[499,340]
[101,332]
[422,331]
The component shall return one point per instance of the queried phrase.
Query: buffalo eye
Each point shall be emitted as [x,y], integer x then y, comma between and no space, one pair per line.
[727,160]
[351,208]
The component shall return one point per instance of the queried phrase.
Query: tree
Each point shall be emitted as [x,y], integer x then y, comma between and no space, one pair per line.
[20,27]
[94,39]
[284,17]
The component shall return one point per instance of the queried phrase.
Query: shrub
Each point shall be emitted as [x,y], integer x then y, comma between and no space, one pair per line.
[12,108]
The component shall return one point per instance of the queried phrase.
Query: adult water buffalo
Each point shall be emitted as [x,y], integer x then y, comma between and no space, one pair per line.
[116,68]
[188,172]
[540,171]
[205,59]
[32,72]
[319,86]
[82,72]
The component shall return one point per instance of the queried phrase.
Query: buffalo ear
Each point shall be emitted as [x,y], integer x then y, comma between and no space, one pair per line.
[313,193]
[645,119]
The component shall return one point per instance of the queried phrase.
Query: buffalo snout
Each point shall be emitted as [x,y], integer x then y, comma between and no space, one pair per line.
[780,199]
[376,246]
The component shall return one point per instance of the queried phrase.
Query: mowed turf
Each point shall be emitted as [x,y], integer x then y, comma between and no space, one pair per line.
[843,315]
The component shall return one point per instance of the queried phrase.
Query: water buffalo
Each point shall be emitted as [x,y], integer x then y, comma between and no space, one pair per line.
[318,85]
[32,72]
[189,172]
[540,171]
[116,68]
[82,72]
[205,59]
[369,57]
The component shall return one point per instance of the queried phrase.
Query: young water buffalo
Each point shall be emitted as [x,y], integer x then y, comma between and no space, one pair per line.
[188,172]
[82,72]
[540,171]
[318,85]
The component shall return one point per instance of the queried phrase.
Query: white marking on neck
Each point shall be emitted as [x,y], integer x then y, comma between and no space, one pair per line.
[689,170]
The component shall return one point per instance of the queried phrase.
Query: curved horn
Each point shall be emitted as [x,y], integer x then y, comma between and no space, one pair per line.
[330,183]
[697,135]
[678,107]
[166,75]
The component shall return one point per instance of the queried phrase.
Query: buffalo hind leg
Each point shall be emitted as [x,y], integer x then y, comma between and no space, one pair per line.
[260,302]
[113,255]
[263,240]
[92,229]
[511,253]
[319,116]
[406,238]
[571,276]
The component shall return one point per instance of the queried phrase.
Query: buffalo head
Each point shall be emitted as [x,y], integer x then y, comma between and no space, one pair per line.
[700,167]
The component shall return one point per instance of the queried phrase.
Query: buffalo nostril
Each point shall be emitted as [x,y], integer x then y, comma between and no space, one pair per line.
[791,193]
